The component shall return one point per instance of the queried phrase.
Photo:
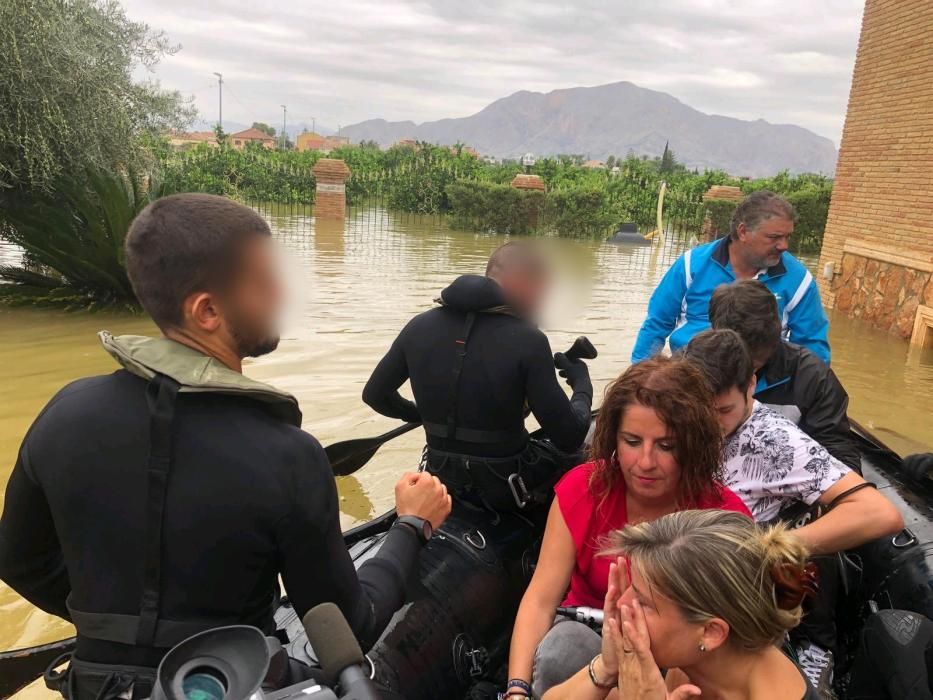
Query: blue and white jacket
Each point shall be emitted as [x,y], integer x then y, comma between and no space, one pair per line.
[679,306]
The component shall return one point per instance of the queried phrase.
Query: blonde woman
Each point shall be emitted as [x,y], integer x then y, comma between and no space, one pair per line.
[709,597]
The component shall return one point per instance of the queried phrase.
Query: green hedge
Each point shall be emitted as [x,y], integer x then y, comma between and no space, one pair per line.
[494,208]
[578,212]
[812,205]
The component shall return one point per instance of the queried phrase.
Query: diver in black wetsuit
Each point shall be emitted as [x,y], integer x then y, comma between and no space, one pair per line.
[168,497]
[477,363]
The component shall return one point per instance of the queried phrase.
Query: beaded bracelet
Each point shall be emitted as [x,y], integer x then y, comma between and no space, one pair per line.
[518,683]
[605,685]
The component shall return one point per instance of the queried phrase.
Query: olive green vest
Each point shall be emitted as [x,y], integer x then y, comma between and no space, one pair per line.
[195,372]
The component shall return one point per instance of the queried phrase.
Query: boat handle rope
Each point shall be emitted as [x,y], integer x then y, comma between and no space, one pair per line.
[911,539]
[468,538]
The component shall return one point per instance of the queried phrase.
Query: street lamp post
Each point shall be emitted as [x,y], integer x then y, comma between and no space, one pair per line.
[284,137]
[220,100]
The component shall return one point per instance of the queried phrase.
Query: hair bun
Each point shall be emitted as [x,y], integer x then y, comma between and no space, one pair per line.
[792,584]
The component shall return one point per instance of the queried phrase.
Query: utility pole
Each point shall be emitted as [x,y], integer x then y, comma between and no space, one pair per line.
[284,137]
[312,126]
[220,100]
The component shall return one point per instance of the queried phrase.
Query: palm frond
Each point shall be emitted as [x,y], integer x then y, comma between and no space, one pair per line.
[74,240]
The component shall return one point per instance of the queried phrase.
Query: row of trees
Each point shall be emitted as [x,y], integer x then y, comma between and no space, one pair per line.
[581,201]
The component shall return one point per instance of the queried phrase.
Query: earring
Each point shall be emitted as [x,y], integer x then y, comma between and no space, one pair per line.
[702,646]
[613,459]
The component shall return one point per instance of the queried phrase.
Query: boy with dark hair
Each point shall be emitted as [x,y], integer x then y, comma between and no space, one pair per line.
[774,466]
[791,379]
[781,473]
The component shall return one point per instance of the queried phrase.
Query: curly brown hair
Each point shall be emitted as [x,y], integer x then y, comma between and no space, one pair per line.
[680,395]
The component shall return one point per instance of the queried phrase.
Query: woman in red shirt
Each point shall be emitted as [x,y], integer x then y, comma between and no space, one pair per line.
[657,449]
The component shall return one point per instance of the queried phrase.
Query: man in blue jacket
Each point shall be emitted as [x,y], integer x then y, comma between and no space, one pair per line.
[755,249]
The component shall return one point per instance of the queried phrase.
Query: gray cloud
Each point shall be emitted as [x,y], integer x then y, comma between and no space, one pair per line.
[346,61]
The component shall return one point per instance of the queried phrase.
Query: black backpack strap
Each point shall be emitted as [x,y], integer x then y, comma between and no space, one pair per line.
[160,394]
[455,381]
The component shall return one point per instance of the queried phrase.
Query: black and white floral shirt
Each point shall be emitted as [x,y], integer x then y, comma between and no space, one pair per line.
[773,465]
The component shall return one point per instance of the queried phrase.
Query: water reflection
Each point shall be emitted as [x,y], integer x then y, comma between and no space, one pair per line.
[356,287]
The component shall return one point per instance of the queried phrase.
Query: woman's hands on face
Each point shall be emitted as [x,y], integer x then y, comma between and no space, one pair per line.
[618,584]
[639,675]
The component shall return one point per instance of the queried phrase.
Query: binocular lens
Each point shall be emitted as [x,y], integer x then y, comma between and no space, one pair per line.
[204,684]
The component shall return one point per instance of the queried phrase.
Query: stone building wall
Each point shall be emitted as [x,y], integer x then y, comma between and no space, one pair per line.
[879,234]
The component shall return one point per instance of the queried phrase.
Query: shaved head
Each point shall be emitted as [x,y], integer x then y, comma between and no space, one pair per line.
[522,271]
[516,257]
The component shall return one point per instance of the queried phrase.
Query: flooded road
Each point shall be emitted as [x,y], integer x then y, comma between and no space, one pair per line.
[356,288]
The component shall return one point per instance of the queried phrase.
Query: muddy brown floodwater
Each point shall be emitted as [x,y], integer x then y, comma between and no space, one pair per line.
[355,288]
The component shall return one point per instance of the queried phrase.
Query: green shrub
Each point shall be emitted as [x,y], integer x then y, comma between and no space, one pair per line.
[578,212]
[494,208]
[720,212]
[812,205]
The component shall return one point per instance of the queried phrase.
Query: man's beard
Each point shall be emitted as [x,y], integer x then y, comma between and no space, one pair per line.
[252,344]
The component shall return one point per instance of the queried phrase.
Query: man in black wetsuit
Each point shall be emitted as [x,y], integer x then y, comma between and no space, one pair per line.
[168,497]
[477,363]
[791,379]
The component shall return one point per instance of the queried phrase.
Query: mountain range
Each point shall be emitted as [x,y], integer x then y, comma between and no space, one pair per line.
[616,119]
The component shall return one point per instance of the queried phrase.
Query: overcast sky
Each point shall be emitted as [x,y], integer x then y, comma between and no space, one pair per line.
[344,61]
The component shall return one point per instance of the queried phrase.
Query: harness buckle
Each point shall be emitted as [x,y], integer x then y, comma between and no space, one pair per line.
[519,491]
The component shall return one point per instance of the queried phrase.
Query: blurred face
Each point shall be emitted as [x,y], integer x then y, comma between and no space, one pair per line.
[763,246]
[675,642]
[733,407]
[526,290]
[645,450]
[252,305]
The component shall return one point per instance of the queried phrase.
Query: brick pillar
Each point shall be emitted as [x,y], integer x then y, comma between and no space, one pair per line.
[330,200]
[529,182]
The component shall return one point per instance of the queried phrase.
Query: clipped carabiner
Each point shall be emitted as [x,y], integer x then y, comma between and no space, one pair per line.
[519,490]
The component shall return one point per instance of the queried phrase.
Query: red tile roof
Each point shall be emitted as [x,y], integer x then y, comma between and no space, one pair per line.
[254,134]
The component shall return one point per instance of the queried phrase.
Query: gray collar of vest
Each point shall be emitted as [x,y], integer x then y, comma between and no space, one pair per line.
[195,372]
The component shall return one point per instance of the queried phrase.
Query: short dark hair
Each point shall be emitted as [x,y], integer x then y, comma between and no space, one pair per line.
[758,207]
[750,309]
[722,358]
[186,243]
[516,255]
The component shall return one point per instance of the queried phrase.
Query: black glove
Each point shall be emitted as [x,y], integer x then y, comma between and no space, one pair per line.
[575,372]
[919,466]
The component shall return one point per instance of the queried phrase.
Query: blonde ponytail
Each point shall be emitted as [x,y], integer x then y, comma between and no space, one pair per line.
[720,564]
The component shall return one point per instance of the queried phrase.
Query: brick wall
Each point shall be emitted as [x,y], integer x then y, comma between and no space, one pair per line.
[880,229]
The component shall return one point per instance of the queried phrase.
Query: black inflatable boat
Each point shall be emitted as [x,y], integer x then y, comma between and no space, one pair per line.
[454,632]
[451,638]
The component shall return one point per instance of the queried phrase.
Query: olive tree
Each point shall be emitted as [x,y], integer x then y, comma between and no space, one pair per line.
[68,100]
